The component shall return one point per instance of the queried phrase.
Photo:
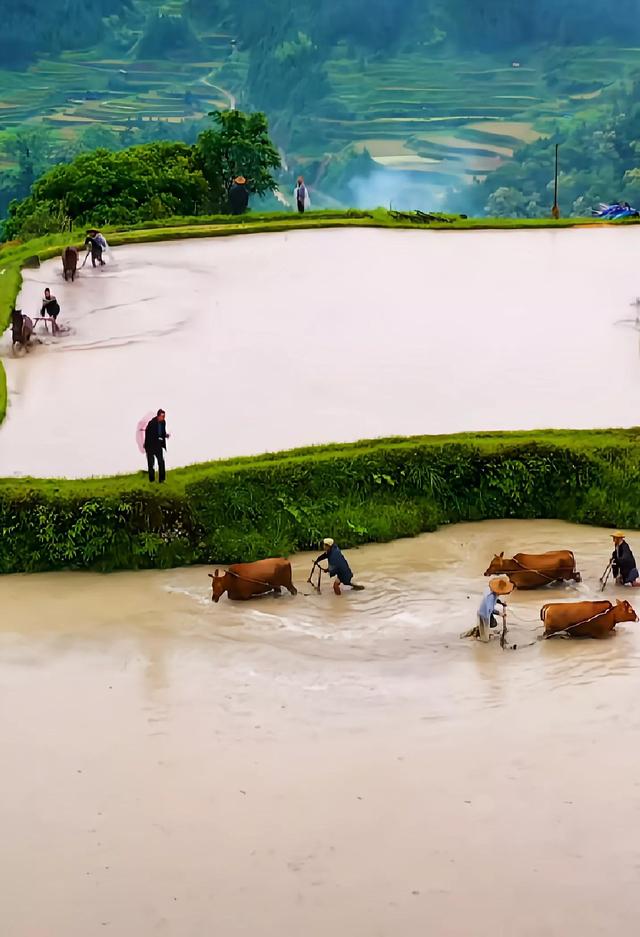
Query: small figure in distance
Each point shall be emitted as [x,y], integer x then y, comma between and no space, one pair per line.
[96,243]
[303,202]
[486,612]
[239,196]
[338,566]
[623,562]
[155,443]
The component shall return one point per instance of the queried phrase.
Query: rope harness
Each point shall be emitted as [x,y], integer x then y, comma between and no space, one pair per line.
[565,632]
[538,572]
[271,588]
[257,582]
[577,624]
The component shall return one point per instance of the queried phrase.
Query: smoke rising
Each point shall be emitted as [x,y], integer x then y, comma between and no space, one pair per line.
[403,191]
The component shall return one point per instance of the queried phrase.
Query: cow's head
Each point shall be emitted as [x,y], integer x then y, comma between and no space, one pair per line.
[625,611]
[495,566]
[219,585]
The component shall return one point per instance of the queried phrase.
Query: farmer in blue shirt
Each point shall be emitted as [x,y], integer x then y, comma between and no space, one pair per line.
[338,566]
[486,612]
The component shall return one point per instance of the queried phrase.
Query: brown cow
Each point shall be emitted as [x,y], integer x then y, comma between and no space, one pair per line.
[531,570]
[585,619]
[21,330]
[69,262]
[246,580]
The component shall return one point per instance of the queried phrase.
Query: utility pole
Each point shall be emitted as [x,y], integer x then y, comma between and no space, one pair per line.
[555,211]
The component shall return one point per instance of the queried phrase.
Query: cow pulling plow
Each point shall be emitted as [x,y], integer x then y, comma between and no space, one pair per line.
[532,570]
[585,619]
[524,571]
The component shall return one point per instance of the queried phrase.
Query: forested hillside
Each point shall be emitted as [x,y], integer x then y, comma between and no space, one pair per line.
[420,103]
[32,27]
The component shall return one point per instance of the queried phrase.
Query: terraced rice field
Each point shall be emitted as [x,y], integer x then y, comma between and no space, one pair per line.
[79,90]
[460,119]
[453,119]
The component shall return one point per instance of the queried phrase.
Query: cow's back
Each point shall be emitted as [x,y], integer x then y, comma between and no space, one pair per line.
[263,570]
[545,562]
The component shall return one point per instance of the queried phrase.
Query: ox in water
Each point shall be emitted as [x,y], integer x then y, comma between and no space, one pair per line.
[246,580]
[585,619]
[532,570]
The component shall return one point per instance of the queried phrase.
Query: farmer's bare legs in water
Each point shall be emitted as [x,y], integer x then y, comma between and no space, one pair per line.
[338,568]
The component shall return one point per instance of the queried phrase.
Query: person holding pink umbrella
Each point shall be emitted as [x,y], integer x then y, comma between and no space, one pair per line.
[155,443]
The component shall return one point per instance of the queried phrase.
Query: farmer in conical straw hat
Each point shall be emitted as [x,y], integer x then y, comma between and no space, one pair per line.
[623,562]
[338,566]
[239,196]
[486,613]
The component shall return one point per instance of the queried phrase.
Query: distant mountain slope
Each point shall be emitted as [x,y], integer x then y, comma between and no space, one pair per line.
[440,94]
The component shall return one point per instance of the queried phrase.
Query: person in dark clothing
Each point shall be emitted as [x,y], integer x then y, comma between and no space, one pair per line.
[338,566]
[623,562]
[93,244]
[239,196]
[50,305]
[155,442]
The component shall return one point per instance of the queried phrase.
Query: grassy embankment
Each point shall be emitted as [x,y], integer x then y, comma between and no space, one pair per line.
[378,490]
[372,490]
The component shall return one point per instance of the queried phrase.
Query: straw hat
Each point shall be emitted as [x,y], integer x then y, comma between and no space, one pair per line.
[617,535]
[327,542]
[240,180]
[501,586]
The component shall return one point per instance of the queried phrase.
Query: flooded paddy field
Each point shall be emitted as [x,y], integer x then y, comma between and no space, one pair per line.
[318,764]
[265,342]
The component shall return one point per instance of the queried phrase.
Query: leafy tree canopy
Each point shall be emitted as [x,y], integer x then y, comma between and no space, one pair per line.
[599,162]
[155,180]
[238,145]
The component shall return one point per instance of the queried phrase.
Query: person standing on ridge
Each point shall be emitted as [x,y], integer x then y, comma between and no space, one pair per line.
[155,443]
[301,193]
[239,196]
[623,562]
[338,566]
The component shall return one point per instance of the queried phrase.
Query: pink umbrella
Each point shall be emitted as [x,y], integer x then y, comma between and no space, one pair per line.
[140,429]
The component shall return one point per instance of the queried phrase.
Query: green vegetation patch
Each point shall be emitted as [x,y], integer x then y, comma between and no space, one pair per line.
[377,490]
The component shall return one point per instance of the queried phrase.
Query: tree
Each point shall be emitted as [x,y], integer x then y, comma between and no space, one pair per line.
[240,145]
[140,183]
[103,187]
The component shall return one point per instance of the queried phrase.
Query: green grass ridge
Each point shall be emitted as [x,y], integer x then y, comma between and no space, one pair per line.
[275,504]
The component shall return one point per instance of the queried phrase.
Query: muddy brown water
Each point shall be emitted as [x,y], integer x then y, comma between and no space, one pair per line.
[317,765]
[266,342]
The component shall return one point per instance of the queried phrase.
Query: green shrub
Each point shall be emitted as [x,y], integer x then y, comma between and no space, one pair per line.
[3,394]
[378,490]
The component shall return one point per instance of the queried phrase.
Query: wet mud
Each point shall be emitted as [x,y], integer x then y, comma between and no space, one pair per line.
[318,764]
